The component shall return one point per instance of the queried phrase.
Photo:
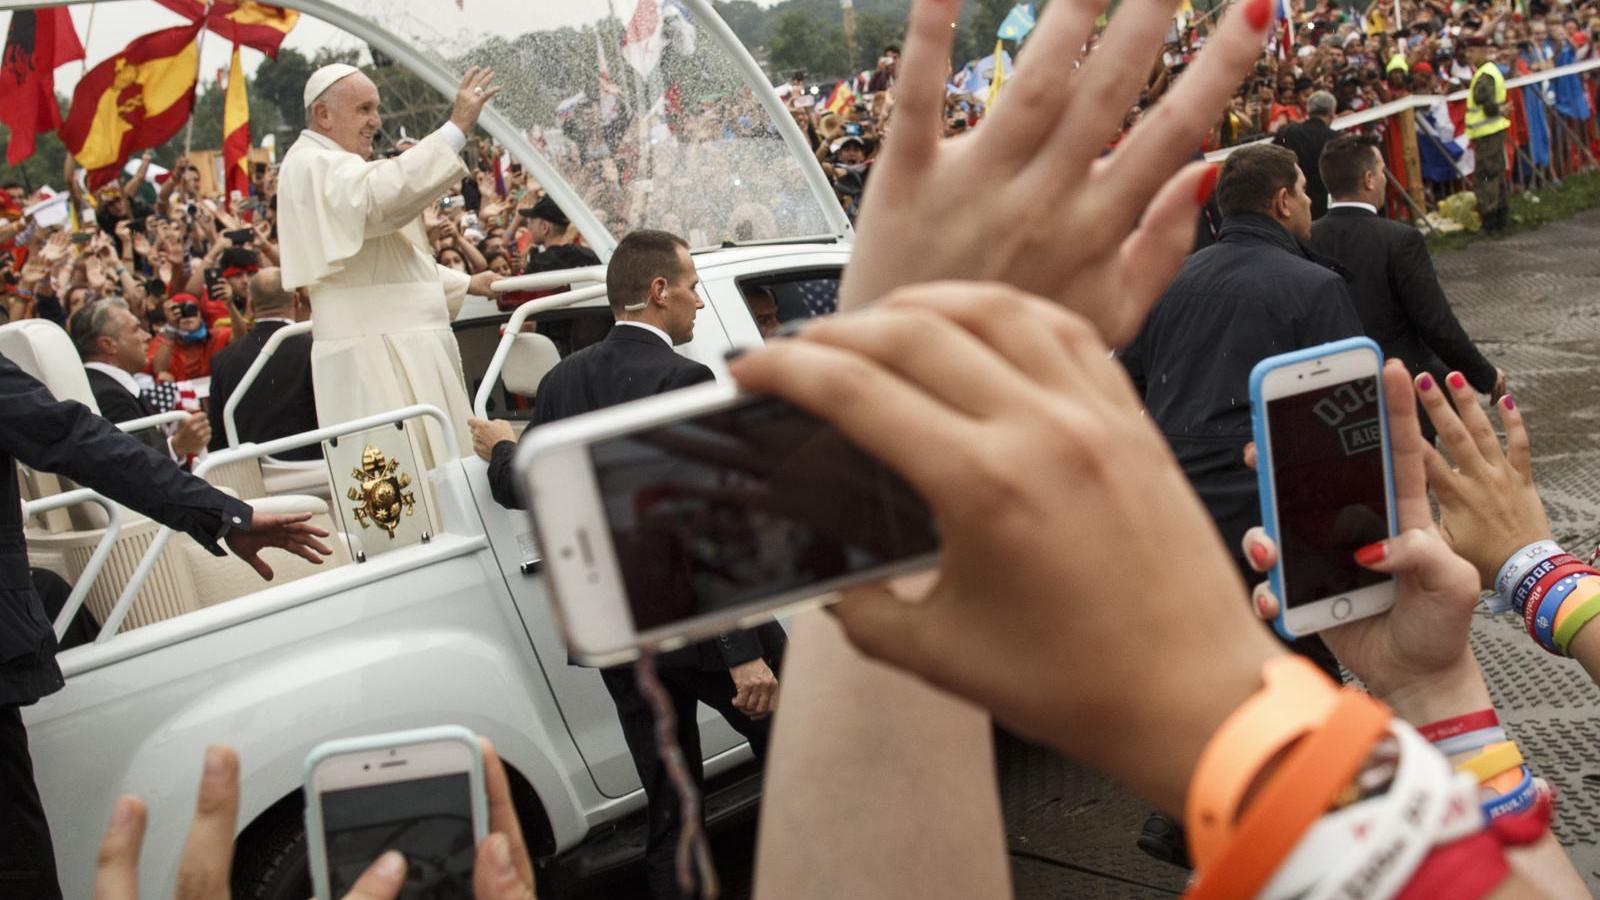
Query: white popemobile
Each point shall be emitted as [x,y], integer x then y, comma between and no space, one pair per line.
[432,609]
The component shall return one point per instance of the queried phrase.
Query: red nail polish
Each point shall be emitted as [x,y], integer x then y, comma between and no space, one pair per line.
[1425,383]
[1261,605]
[1258,555]
[1207,185]
[1510,403]
[1257,12]
[1456,380]
[1372,554]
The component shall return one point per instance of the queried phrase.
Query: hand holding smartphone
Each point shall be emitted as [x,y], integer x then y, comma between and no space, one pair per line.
[418,792]
[1326,477]
[683,516]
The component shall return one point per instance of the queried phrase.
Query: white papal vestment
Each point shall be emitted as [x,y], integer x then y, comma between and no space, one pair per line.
[351,231]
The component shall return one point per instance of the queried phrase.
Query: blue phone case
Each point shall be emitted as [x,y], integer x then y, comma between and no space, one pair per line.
[318,850]
[1269,513]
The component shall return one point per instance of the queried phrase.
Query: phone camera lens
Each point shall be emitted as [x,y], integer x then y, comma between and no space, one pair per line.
[366,766]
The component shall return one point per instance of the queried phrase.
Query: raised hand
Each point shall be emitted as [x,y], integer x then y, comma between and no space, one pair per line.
[1042,208]
[1488,506]
[292,533]
[477,89]
[57,247]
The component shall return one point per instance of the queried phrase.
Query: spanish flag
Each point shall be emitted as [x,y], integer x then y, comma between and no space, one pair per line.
[236,131]
[840,98]
[245,22]
[134,100]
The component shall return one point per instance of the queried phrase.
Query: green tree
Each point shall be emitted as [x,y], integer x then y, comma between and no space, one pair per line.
[800,41]
[280,83]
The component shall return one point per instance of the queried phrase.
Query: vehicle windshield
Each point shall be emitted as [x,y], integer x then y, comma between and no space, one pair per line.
[636,103]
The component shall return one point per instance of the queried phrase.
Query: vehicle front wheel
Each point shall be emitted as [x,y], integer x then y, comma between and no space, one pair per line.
[271,861]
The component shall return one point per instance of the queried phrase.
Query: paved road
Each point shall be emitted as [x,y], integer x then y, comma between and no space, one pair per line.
[1533,304]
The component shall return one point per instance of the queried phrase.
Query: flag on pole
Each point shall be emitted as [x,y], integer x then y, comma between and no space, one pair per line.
[1017,23]
[643,43]
[236,131]
[245,22]
[134,100]
[999,78]
[37,42]
[609,93]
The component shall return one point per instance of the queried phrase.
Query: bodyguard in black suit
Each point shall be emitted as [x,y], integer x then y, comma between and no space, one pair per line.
[1392,283]
[651,284]
[1307,139]
[112,341]
[281,402]
[68,439]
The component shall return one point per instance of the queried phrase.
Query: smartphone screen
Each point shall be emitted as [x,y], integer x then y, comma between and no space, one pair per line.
[747,503]
[1328,477]
[427,819]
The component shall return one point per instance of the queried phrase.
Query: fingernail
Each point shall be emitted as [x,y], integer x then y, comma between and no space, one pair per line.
[1207,185]
[500,855]
[1373,553]
[122,813]
[1456,380]
[1425,383]
[1509,403]
[1257,12]
[1261,606]
[391,865]
[216,762]
[1258,555]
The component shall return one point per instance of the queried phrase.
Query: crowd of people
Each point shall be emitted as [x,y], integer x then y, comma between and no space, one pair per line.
[1045,440]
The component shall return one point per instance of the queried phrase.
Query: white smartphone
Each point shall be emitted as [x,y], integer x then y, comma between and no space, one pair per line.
[419,792]
[1326,480]
[679,517]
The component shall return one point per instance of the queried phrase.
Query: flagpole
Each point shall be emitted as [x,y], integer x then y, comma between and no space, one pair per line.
[199,71]
[88,34]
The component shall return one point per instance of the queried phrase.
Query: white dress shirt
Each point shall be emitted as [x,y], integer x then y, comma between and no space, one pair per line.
[1353,204]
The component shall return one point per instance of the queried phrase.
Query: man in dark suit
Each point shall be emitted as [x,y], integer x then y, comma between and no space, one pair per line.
[1392,282]
[112,344]
[67,439]
[651,281]
[1307,139]
[281,402]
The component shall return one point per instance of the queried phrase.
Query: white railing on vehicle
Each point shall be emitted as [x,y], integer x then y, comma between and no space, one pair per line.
[491,375]
[543,281]
[243,452]
[140,424]
[1420,101]
[97,559]
[251,374]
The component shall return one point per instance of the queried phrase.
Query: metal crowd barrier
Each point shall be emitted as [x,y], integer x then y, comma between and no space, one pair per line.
[1569,141]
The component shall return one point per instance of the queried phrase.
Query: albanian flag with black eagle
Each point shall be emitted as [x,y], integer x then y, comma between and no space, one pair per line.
[37,41]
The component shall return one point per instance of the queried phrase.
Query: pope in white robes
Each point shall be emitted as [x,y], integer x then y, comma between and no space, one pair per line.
[350,231]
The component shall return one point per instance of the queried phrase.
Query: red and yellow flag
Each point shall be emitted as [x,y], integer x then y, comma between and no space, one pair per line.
[236,131]
[245,22]
[134,100]
[840,98]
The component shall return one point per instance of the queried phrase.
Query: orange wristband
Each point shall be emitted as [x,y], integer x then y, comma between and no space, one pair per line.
[1295,796]
[1297,697]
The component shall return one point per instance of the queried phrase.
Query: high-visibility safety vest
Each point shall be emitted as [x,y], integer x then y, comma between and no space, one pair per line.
[1480,124]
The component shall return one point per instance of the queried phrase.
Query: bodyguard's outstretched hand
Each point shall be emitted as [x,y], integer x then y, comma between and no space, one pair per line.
[293,533]
[1040,207]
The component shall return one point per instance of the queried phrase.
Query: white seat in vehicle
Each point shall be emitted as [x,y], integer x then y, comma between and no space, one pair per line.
[532,356]
[186,577]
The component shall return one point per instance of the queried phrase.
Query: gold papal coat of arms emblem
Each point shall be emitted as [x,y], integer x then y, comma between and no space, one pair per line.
[380,495]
